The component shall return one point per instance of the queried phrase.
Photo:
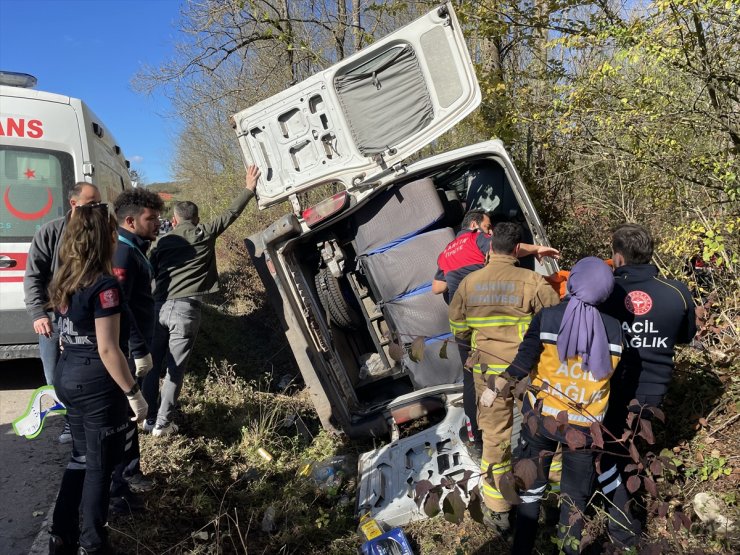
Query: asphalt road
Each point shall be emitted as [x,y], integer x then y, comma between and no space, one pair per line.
[30,470]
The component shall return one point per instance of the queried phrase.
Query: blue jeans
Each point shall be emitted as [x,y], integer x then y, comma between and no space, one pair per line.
[49,353]
[97,409]
[178,322]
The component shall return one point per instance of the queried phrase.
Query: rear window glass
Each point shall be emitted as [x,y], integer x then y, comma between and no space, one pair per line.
[34,185]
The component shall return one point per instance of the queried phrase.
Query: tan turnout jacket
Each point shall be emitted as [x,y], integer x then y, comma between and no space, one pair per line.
[492,309]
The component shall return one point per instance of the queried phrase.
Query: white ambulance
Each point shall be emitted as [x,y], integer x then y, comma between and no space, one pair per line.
[48,142]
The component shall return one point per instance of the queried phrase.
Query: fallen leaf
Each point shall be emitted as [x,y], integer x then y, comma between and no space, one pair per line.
[575,439]
[443,350]
[422,488]
[431,505]
[658,413]
[395,351]
[562,418]
[453,507]
[597,438]
[633,484]
[507,487]
[417,349]
[656,467]
[550,424]
[646,430]
[526,470]
[475,506]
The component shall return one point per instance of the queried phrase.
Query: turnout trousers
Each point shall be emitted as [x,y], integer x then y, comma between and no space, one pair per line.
[496,423]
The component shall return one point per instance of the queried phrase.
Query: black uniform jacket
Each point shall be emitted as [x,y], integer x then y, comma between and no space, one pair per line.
[134,273]
[656,315]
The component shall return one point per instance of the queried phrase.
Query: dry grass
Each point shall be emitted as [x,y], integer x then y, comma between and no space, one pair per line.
[214,489]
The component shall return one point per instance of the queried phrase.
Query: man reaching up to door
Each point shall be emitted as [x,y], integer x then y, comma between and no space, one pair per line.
[184,263]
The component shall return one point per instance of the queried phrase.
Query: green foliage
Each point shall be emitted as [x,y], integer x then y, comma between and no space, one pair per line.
[566,542]
[711,468]
[612,114]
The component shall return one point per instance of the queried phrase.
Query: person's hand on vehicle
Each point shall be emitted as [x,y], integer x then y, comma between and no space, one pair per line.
[253,174]
[143,365]
[138,405]
[42,326]
[543,251]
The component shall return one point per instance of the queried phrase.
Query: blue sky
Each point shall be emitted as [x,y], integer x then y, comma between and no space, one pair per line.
[91,49]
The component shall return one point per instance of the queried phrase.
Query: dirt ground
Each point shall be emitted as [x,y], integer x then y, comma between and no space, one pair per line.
[30,470]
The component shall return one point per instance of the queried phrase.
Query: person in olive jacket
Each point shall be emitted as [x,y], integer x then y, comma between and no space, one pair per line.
[184,263]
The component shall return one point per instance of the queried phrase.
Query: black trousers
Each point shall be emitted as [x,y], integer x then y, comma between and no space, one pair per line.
[624,529]
[577,485]
[97,409]
[470,399]
[130,463]
[470,403]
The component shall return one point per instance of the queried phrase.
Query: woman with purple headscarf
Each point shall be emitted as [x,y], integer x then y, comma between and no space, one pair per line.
[569,353]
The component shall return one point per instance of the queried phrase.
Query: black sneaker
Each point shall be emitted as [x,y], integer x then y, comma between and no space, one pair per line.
[138,483]
[60,546]
[126,504]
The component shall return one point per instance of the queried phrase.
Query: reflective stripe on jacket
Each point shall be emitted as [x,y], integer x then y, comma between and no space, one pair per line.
[492,309]
[567,381]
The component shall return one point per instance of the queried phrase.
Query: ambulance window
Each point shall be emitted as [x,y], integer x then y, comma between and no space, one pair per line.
[34,184]
[107,181]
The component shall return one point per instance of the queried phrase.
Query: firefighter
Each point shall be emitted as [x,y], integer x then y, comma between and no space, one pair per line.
[490,312]
[463,255]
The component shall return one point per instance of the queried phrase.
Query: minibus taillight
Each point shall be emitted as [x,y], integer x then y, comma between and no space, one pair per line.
[327,207]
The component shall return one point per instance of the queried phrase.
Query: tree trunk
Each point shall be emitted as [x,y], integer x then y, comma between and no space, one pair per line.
[490,53]
[340,32]
[356,29]
[539,83]
[711,82]
[288,29]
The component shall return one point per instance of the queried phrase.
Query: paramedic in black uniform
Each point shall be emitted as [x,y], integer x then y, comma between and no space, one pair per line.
[656,314]
[92,378]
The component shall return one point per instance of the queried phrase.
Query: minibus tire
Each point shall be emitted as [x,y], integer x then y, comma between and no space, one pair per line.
[335,302]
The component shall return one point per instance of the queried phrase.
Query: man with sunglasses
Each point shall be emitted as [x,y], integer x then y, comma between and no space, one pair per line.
[43,260]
